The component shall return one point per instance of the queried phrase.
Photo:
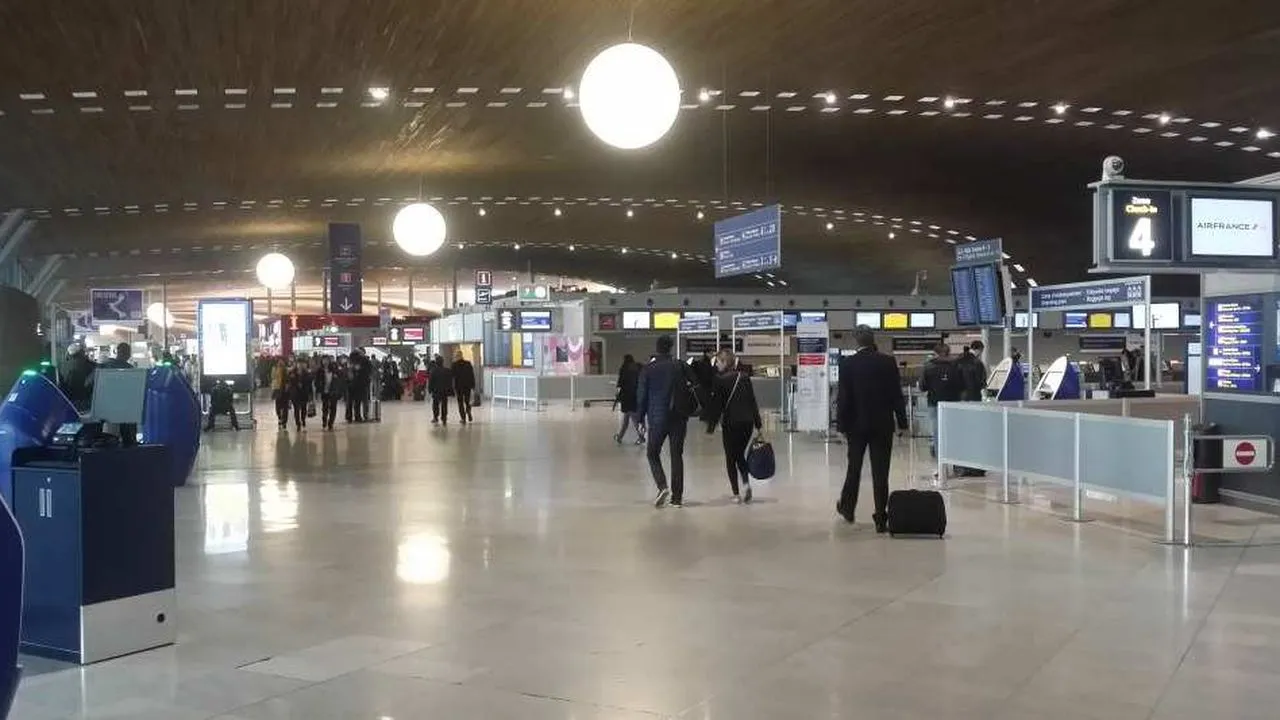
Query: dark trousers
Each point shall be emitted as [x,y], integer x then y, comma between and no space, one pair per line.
[300,413]
[736,439]
[673,429]
[880,446]
[358,404]
[440,407]
[329,410]
[282,409]
[464,405]
[229,412]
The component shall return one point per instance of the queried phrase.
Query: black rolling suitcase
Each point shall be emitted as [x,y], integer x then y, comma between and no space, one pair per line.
[917,512]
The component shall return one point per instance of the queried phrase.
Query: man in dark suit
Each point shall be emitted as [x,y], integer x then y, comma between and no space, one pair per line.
[656,409]
[869,400]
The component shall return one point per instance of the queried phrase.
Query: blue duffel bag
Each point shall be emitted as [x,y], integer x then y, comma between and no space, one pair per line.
[760,460]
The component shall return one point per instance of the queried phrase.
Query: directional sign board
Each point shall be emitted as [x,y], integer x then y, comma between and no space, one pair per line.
[1121,292]
[1174,227]
[1233,345]
[980,252]
[346,282]
[749,243]
[484,287]
[115,306]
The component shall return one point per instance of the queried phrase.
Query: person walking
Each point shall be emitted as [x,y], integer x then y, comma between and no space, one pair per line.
[941,381]
[440,387]
[300,392]
[464,384]
[625,399]
[361,383]
[280,391]
[332,385]
[868,402]
[664,404]
[733,399]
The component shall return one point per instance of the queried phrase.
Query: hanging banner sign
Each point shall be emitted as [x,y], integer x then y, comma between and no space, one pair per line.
[346,281]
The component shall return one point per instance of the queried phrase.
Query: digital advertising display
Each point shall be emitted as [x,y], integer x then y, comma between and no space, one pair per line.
[224,337]
[1233,227]
[965,294]
[1233,345]
[1142,224]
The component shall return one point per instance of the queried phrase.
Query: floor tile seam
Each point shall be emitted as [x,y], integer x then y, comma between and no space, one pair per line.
[1204,621]
[311,684]
[570,701]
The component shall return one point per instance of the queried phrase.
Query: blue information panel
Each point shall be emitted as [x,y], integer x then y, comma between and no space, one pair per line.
[980,252]
[699,325]
[749,243]
[1233,345]
[346,283]
[114,306]
[1083,296]
[990,295]
[758,321]
[965,294]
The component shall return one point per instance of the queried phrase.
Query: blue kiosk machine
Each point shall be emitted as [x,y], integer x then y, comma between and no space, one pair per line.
[1060,382]
[95,509]
[1007,381]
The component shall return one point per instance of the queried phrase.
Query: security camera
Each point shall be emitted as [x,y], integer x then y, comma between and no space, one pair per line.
[1113,168]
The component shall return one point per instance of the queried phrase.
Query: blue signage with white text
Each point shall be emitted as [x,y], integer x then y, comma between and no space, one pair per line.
[1083,296]
[980,252]
[346,282]
[749,243]
[699,325]
[758,321]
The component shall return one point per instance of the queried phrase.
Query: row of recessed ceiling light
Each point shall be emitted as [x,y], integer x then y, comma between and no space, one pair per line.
[829,100]
[829,215]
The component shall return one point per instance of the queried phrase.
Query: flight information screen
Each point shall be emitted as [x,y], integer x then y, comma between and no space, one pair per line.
[965,294]
[1233,350]
[990,295]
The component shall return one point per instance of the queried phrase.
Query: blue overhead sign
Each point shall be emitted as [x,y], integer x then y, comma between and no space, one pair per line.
[749,243]
[346,282]
[758,321]
[1121,292]
[699,325]
[115,306]
[980,252]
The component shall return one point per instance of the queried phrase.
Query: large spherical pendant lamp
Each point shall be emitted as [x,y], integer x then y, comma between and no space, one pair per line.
[275,271]
[419,229]
[629,96]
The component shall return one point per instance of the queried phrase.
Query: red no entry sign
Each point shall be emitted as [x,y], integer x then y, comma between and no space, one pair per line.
[1246,453]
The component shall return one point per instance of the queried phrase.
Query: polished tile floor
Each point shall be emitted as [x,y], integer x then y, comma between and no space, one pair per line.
[514,569]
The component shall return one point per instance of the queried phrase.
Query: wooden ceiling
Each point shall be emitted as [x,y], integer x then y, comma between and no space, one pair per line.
[169,138]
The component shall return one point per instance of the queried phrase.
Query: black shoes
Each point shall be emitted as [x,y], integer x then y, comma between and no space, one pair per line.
[882,523]
[845,512]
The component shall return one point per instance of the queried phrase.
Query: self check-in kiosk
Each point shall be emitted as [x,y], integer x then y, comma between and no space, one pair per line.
[96,513]
[1007,381]
[1061,381]
[172,419]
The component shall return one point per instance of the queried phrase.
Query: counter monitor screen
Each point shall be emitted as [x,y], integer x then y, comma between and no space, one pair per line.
[635,320]
[1233,227]
[534,321]
[1020,320]
[666,320]
[119,396]
[1191,320]
[923,320]
[895,321]
[870,319]
[813,316]
[1075,320]
[1100,321]
[1122,320]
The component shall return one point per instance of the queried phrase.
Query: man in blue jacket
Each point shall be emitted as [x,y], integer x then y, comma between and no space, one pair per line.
[655,408]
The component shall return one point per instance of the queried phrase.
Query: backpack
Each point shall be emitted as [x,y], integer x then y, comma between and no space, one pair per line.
[688,396]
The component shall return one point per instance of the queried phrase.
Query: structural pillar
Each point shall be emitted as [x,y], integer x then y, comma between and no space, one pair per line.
[411,311]
[293,297]
[15,237]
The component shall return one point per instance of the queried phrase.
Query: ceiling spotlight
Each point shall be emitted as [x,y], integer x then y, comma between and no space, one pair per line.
[1061,108]
[1164,118]
[830,97]
[831,226]
[674,256]
[624,251]
[379,93]
[568,93]
[704,95]
[949,103]
[558,212]
[891,235]
[572,248]
[275,271]
[482,212]
[516,246]
[1264,134]
[631,213]
[701,215]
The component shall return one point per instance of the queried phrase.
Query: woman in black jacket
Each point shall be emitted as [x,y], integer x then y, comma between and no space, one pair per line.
[628,383]
[301,390]
[734,408]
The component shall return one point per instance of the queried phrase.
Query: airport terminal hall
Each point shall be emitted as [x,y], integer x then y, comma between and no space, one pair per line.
[639,360]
